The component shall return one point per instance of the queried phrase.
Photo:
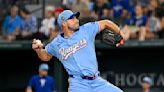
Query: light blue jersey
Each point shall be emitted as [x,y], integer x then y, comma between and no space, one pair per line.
[77,53]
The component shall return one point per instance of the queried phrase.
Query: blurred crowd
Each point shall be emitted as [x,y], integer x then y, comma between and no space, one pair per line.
[138,19]
[20,24]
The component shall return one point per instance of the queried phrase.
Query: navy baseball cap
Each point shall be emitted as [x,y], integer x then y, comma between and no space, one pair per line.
[65,15]
[44,67]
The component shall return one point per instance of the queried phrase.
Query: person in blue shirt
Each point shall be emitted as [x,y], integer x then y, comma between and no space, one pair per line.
[74,47]
[136,25]
[42,82]
[29,24]
[120,10]
[119,6]
[12,24]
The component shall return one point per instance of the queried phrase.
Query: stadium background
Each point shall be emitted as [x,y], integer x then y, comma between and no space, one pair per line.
[124,66]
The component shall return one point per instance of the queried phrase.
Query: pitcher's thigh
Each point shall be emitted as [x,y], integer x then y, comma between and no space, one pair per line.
[76,86]
[106,87]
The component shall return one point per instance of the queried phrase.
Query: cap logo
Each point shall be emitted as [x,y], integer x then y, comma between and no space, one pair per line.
[62,18]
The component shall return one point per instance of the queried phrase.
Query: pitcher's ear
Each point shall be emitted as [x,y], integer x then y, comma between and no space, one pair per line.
[63,24]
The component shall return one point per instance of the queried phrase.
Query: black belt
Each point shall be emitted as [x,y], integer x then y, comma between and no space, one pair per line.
[86,77]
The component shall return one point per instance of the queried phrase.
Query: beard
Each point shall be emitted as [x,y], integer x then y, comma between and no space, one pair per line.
[74,28]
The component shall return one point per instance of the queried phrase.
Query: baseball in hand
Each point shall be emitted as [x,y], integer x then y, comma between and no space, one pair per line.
[38,42]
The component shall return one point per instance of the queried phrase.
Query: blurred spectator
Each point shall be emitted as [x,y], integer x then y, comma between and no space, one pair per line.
[136,25]
[11,24]
[29,24]
[48,26]
[100,9]
[68,3]
[42,82]
[120,10]
[57,11]
[146,84]
[160,31]
[154,23]
[150,8]
[153,4]
[56,31]
[81,6]
[153,26]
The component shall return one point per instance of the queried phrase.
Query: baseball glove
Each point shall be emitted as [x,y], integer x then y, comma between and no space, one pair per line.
[112,39]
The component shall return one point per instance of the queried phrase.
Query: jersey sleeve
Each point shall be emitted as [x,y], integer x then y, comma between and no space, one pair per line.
[91,29]
[50,49]
[31,83]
